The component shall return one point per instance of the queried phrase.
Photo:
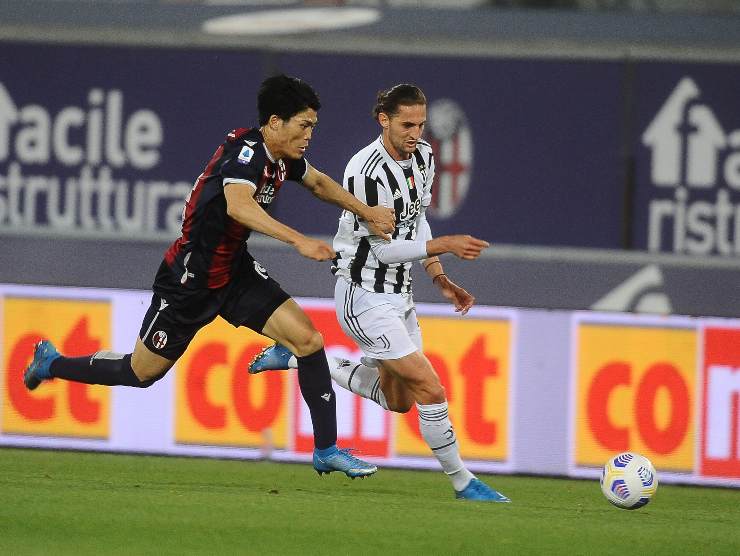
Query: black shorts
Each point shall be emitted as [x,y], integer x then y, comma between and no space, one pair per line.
[177,313]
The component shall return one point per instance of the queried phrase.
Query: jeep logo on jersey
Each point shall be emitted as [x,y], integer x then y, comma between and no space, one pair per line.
[159,339]
[452,141]
[695,167]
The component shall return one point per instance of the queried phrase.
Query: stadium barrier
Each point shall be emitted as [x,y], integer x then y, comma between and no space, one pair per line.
[530,391]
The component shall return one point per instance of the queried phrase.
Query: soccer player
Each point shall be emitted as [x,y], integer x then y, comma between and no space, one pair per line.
[374,303]
[208,270]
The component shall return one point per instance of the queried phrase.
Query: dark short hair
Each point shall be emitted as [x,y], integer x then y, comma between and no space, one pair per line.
[404,94]
[285,97]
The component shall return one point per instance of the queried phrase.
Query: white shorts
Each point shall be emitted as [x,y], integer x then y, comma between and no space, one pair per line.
[383,325]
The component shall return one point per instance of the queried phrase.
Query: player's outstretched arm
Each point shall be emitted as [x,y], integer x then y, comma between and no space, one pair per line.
[241,206]
[381,220]
[404,251]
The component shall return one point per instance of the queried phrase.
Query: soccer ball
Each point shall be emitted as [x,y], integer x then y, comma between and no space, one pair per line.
[629,480]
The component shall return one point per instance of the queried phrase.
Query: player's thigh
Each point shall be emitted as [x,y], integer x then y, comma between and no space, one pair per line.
[148,365]
[174,317]
[290,326]
[374,321]
[257,301]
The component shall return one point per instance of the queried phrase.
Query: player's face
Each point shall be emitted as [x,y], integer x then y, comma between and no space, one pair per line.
[403,130]
[291,137]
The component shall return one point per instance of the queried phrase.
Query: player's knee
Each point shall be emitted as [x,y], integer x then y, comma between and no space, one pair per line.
[146,383]
[400,406]
[430,390]
[145,377]
[437,392]
[309,342]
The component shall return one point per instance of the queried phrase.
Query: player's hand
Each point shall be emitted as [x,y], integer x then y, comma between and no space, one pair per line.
[315,249]
[465,247]
[460,298]
[381,221]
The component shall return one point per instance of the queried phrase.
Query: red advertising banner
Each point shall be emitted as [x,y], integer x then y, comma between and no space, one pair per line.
[720,446]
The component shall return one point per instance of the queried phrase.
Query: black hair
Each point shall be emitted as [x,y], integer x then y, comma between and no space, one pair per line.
[404,94]
[285,97]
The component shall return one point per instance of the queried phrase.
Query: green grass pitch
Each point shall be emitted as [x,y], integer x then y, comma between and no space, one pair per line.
[83,503]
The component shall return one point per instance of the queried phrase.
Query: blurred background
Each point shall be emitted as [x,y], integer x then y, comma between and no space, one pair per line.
[591,142]
[594,143]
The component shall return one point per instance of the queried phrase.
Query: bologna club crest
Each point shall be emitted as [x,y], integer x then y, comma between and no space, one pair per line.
[159,339]
[452,142]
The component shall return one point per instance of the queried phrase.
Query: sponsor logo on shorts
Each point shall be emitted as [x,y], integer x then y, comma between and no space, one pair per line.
[159,339]
[326,396]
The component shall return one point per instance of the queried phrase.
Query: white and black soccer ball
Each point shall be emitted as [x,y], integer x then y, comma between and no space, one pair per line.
[629,480]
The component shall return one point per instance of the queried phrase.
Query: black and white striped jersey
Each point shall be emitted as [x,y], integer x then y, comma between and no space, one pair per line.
[375,178]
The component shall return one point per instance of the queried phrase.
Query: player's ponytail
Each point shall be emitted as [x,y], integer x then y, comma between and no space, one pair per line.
[403,94]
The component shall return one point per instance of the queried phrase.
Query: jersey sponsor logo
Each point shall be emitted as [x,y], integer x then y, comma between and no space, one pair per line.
[410,210]
[245,155]
[695,177]
[266,196]
[452,142]
[159,339]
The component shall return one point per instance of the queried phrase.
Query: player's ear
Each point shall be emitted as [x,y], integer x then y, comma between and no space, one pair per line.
[274,122]
[384,120]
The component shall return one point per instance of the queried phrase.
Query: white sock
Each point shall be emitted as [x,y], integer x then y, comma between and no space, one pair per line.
[359,379]
[437,431]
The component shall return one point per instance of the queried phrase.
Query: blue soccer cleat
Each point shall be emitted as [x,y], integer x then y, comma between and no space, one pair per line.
[271,358]
[341,460]
[478,490]
[43,354]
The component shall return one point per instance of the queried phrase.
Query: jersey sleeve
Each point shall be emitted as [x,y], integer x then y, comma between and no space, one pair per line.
[297,170]
[426,198]
[242,166]
[398,250]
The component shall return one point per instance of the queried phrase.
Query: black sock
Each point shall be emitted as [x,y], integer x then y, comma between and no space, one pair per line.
[103,367]
[314,379]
